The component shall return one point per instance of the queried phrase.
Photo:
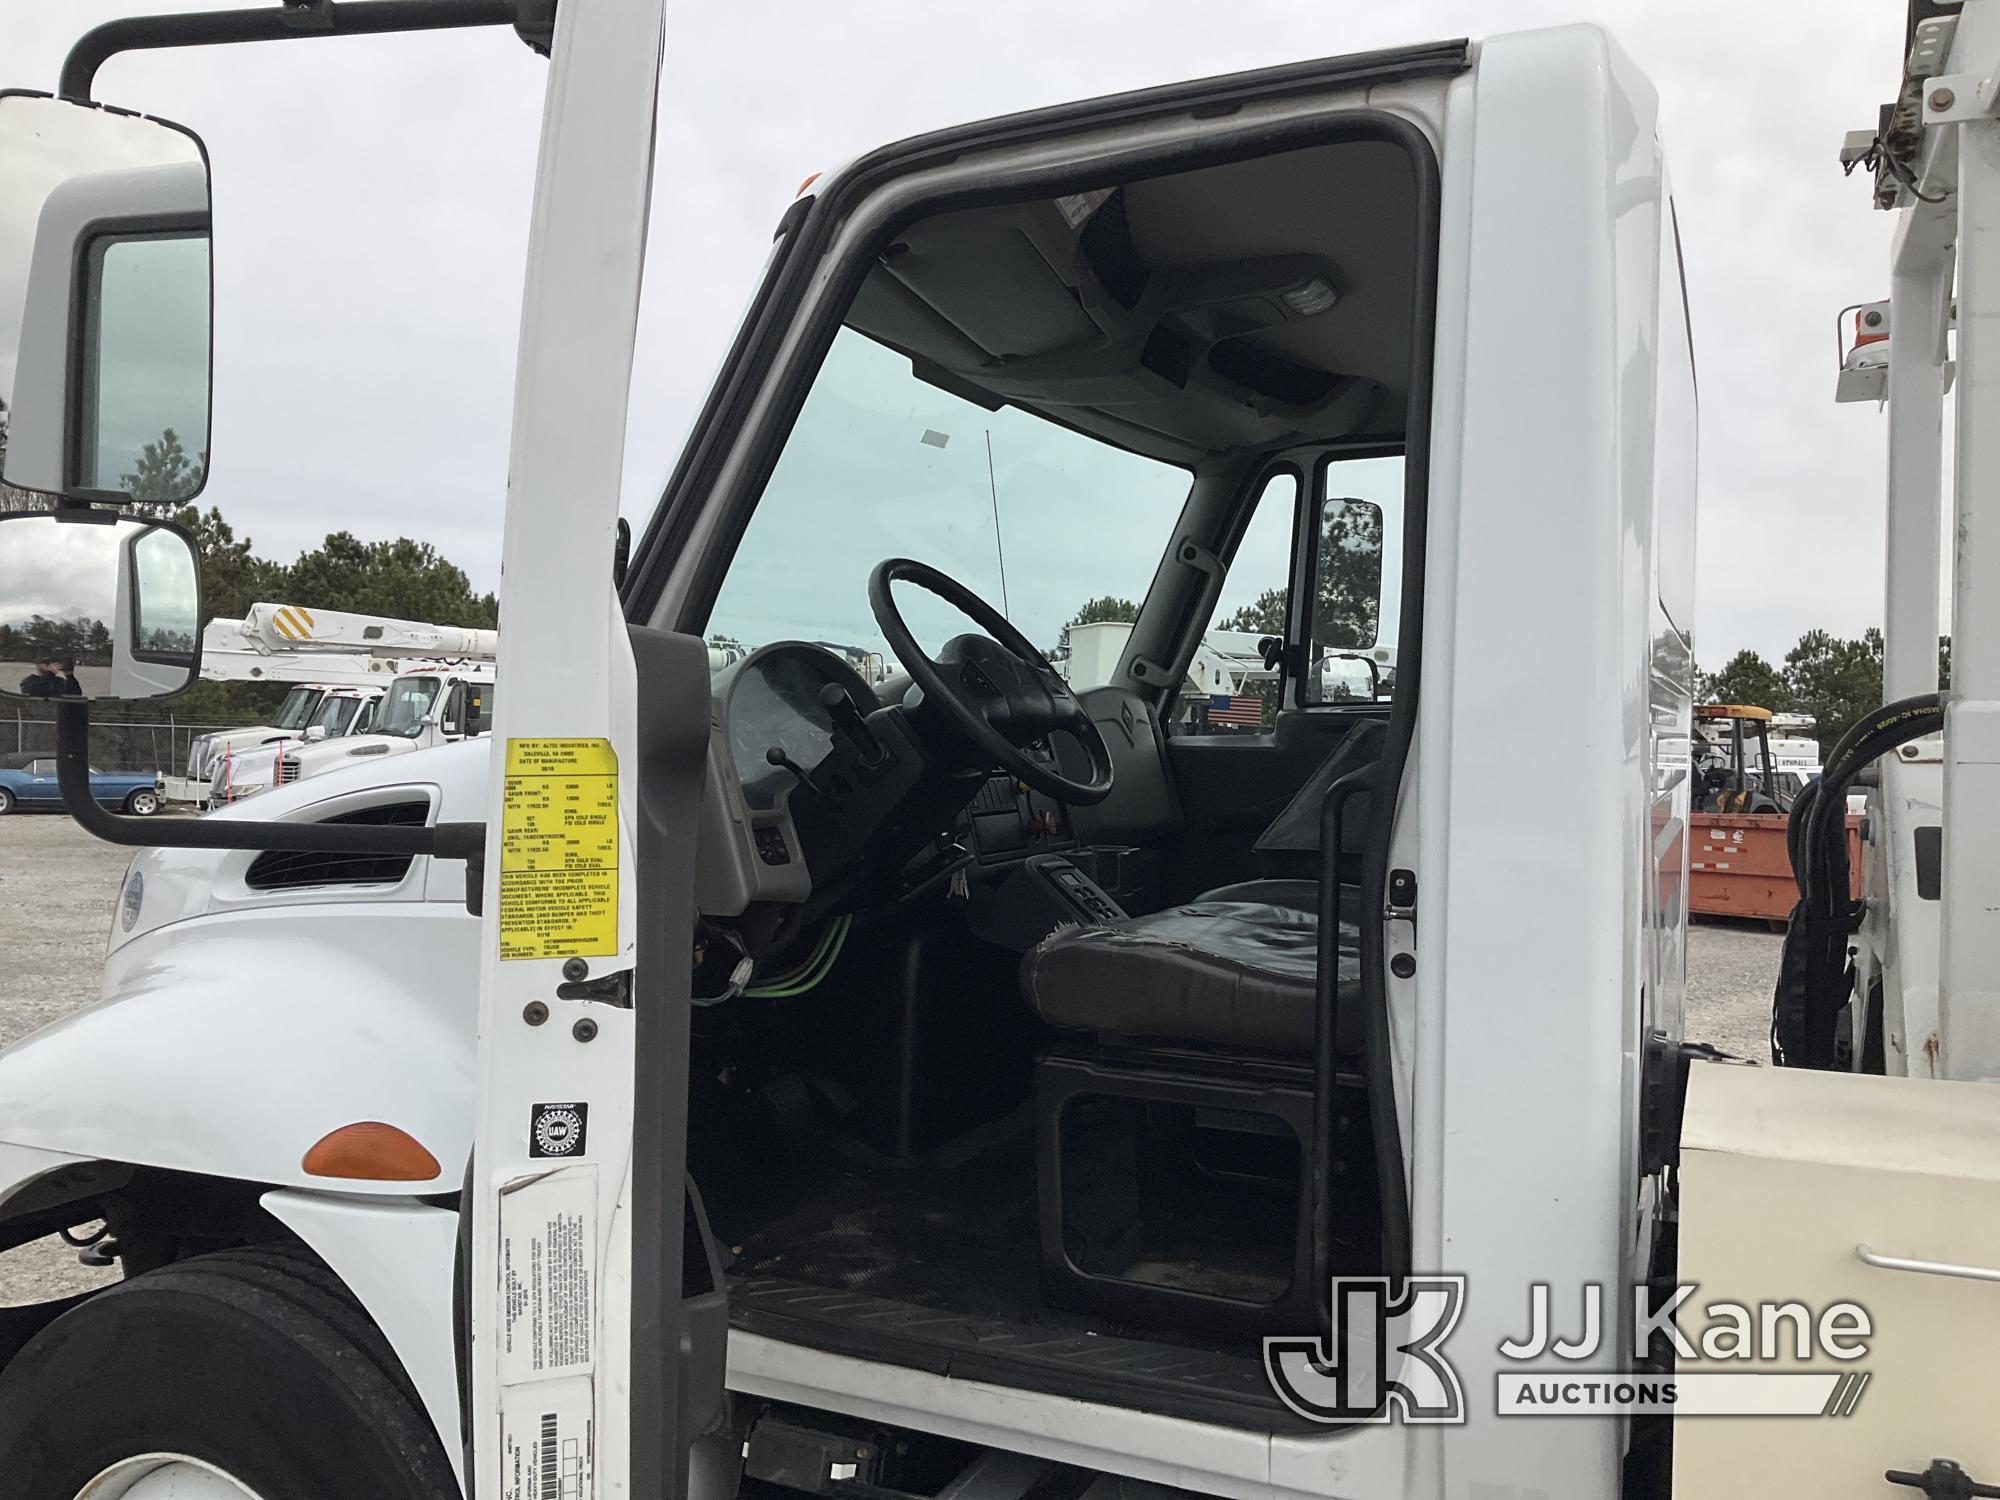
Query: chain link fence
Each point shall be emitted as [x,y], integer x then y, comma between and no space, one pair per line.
[121,739]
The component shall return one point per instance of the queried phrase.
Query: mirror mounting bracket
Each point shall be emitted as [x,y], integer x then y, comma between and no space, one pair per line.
[466,841]
[289,20]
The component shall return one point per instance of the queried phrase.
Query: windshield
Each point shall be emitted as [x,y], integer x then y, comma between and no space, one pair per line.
[297,708]
[403,710]
[334,715]
[1049,526]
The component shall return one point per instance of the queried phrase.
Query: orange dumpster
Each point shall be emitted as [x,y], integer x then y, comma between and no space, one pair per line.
[1737,865]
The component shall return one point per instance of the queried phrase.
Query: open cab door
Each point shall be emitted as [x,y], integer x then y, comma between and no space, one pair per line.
[971,353]
[594,1297]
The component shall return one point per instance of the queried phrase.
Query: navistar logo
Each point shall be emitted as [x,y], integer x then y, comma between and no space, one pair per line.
[1383,1358]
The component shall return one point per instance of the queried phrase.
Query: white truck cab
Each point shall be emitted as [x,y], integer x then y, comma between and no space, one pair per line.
[791,1077]
[435,705]
[342,711]
[209,754]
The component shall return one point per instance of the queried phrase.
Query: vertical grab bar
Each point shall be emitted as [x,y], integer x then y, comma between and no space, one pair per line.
[1326,1021]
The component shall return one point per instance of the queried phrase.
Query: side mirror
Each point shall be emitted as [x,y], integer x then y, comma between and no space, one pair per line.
[1347,569]
[95,606]
[1271,648]
[104,234]
[315,733]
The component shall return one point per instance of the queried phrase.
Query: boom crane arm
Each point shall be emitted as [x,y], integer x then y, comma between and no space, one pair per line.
[291,643]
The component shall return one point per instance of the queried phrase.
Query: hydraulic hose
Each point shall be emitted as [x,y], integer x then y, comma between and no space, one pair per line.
[1814,978]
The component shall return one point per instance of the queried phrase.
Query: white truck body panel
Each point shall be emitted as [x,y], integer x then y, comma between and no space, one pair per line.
[1559,249]
[1788,1176]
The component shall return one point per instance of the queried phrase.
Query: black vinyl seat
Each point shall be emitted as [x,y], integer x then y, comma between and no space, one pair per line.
[1236,967]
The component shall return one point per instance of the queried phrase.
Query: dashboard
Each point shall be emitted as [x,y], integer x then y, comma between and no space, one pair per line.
[749,845]
[846,792]
[772,697]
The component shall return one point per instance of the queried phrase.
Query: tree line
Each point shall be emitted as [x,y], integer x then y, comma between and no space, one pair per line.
[39,637]
[1834,679]
[404,579]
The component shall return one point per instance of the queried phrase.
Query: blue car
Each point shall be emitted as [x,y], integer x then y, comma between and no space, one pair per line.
[28,784]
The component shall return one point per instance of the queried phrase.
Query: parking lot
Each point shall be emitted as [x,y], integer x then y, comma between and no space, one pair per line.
[59,889]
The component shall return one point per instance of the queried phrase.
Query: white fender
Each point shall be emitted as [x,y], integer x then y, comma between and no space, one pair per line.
[228,1046]
[396,1257]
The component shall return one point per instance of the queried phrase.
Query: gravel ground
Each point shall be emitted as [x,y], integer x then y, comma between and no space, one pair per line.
[59,886]
[1732,969]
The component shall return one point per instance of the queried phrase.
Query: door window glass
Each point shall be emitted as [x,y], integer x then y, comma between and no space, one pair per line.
[1236,681]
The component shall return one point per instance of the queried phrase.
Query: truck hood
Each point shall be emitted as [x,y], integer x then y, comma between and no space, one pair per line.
[323,756]
[177,884]
[457,773]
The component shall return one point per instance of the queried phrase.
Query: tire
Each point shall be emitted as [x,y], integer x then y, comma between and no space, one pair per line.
[256,1364]
[6,802]
[143,803]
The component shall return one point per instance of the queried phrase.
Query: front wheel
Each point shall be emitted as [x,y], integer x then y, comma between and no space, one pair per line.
[143,803]
[6,802]
[244,1375]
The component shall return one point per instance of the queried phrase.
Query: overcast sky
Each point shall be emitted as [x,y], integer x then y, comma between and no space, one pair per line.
[372,201]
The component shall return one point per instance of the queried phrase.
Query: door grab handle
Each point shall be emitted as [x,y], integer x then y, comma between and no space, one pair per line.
[1868,1257]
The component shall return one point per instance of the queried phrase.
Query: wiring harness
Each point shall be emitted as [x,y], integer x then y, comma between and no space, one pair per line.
[795,981]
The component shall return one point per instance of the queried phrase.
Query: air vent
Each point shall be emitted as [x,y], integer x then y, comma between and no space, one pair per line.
[288,869]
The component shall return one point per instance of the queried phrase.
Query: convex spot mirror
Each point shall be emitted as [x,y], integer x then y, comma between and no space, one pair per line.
[104,303]
[97,606]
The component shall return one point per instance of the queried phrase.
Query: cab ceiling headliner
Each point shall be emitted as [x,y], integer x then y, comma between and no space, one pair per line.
[1155,315]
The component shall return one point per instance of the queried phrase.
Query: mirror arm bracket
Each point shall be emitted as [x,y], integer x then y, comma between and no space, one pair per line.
[282,22]
[466,841]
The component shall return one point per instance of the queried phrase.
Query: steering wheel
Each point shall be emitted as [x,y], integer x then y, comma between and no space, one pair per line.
[995,689]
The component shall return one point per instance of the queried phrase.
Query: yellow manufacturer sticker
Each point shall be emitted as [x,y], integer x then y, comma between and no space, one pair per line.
[559,850]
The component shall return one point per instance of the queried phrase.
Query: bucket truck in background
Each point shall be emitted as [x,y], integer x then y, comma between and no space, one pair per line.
[318,651]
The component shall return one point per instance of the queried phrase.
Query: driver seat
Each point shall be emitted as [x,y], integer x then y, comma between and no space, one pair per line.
[1236,968]
[1184,1094]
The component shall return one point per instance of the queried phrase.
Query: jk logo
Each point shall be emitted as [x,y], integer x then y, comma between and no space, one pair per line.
[1382,1355]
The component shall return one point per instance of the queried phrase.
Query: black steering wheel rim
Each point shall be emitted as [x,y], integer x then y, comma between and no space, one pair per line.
[956,699]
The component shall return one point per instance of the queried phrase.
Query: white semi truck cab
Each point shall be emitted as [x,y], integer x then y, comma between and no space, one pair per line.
[780,1078]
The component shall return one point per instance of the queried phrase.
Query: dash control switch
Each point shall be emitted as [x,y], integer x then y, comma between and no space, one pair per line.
[1079,892]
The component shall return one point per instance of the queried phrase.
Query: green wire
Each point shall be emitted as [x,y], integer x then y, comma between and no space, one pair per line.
[813,971]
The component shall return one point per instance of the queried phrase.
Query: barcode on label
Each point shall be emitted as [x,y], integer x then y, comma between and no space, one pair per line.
[551,1486]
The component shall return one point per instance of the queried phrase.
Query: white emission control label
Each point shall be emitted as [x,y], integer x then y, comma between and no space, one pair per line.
[545,1440]
[548,1275]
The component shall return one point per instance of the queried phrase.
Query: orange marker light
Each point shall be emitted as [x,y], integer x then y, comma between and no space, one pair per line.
[370,1151]
[1871,326]
[806,184]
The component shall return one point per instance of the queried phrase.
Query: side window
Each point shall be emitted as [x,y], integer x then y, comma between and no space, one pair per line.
[452,720]
[42,768]
[1356,603]
[1236,681]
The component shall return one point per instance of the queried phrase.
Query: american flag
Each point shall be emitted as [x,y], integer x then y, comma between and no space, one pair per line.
[1246,710]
